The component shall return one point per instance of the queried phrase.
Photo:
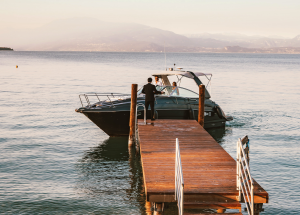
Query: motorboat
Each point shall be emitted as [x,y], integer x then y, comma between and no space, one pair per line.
[111,111]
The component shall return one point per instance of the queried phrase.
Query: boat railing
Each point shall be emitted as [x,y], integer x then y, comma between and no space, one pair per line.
[244,180]
[99,98]
[179,183]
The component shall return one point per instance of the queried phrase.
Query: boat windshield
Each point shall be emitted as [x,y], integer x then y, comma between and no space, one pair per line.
[177,92]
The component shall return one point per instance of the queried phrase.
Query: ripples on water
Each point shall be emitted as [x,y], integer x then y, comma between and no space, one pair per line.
[55,161]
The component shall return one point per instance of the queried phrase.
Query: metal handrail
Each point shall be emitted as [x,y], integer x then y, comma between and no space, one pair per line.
[244,179]
[108,97]
[97,97]
[179,183]
[136,127]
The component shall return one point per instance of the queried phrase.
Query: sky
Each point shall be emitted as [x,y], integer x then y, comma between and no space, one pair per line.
[255,17]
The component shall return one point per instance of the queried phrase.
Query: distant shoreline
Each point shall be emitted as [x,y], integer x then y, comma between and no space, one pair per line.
[5,49]
[225,50]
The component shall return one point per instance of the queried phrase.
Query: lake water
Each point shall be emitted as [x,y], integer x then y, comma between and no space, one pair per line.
[56,161]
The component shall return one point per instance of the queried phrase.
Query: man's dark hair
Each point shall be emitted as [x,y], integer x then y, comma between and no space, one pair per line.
[149,79]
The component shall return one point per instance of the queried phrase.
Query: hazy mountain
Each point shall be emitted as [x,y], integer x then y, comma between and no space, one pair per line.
[88,34]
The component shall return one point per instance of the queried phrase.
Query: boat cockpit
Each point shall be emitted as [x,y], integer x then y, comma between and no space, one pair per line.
[174,92]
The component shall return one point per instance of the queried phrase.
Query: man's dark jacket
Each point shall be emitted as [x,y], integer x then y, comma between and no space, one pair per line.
[149,89]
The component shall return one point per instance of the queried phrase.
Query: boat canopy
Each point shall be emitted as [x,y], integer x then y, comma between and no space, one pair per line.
[182,73]
[187,74]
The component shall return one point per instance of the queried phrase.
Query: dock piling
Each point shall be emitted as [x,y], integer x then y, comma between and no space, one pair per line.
[219,211]
[148,206]
[132,114]
[201,105]
[158,208]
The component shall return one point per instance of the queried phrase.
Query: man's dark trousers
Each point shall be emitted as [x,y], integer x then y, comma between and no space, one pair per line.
[151,103]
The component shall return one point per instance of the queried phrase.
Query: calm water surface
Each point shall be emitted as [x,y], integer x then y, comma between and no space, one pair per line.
[56,161]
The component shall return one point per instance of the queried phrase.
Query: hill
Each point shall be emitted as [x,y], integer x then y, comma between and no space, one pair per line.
[5,49]
[88,34]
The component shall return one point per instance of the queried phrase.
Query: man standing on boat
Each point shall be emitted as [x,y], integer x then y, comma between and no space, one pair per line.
[157,82]
[149,90]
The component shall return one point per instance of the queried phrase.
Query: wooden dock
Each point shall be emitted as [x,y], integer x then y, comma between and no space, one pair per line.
[209,172]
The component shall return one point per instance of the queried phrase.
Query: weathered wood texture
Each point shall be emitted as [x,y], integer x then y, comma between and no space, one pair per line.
[132,113]
[209,172]
[213,213]
[201,105]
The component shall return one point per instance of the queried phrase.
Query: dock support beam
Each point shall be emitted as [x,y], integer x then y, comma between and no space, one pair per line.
[220,211]
[132,114]
[158,208]
[201,105]
[258,207]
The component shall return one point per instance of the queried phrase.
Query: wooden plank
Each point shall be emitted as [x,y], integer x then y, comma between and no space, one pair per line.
[212,205]
[209,171]
[211,213]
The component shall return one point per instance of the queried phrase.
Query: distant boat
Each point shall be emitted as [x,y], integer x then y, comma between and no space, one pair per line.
[112,114]
[5,49]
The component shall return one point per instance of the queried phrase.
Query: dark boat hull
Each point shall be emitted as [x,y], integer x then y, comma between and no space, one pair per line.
[117,123]
[112,123]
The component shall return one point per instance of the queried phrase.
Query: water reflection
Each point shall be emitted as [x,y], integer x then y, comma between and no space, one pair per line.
[136,191]
[113,174]
[112,149]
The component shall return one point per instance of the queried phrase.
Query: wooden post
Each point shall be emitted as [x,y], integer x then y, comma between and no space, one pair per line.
[220,211]
[201,105]
[132,114]
[148,207]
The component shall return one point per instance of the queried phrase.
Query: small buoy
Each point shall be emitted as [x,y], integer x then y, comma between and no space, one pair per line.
[16,66]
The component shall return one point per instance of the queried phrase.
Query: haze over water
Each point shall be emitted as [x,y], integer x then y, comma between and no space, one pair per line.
[56,161]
